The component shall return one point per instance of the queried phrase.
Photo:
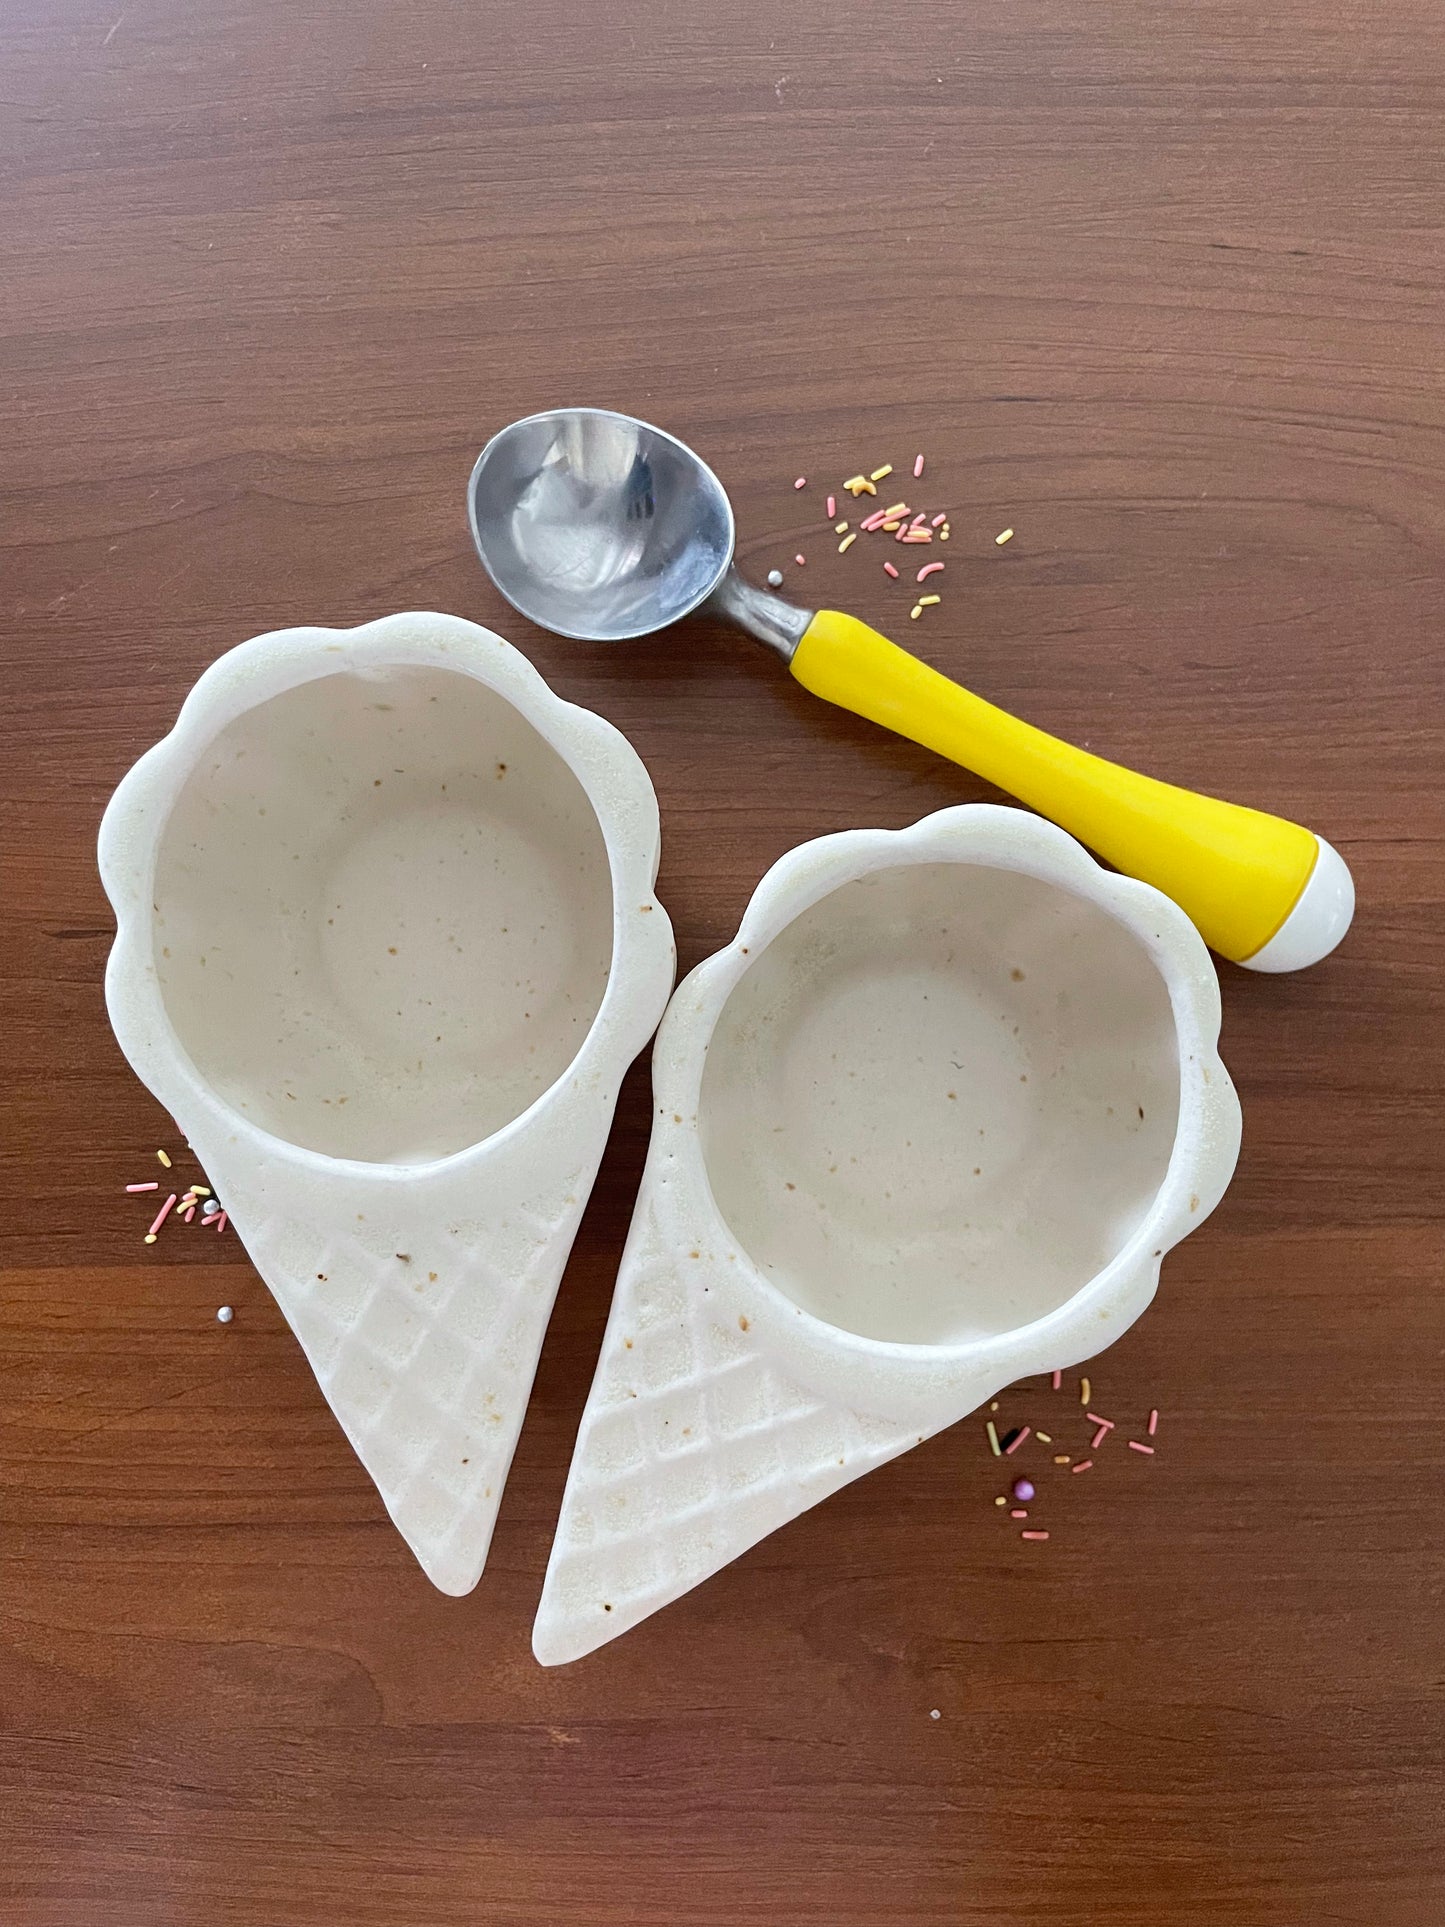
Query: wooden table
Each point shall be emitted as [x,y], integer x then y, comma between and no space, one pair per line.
[1159,287]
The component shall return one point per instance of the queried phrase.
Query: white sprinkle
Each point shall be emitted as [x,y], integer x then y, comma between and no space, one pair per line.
[775,578]
[225,1315]
[936,1714]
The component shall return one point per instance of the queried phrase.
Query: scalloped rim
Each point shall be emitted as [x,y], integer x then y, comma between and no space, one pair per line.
[925,1383]
[610,771]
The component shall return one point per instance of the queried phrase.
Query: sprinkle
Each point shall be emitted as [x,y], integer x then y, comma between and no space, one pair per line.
[878,473]
[225,1315]
[775,578]
[939,519]
[847,542]
[920,518]
[1007,536]
[1033,1535]
[936,1714]
[1019,1512]
[888,569]
[188,1214]
[154,1185]
[994,1406]
[928,601]
[892,525]
[914,535]
[1085,1393]
[1094,1419]
[898,508]
[802,482]
[1023,1490]
[914,613]
[1018,1438]
[161,1216]
[855,482]
[1058,1380]
[832,506]
[840,528]
[164,1159]
[201,1190]
[1061,1458]
[1044,1438]
[1135,1446]
[1000,1500]
[928,569]
[150,1237]
[943,533]
[917,466]
[800,560]
[1083,1465]
[1098,1439]
[1153,1422]
[220,1222]
[993,1444]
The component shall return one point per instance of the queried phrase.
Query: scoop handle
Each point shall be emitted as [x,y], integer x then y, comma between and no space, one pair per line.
[1262,891]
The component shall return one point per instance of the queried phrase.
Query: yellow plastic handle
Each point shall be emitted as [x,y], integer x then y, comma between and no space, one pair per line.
[1237,872]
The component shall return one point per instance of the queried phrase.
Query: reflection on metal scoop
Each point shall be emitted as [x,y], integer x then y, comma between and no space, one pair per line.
[603,528]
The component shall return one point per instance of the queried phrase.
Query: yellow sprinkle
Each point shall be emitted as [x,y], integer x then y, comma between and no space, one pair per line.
[1001,1500]
[994,1406]
[1085,1395]
[879,473]
[860,485]
[201,1190]
[927,601]
[164,1159]
[855,481]
[898,508]
[847,542]
[1043,1438]
[915,612]
[943,535]
[1007,536]
[890,526]
[150,1237]
[1061,1458]
[840,528]
[993,1443]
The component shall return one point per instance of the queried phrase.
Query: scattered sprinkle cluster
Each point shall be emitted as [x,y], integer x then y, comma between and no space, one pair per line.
[1023,1491]
[899,519]
[196,1199]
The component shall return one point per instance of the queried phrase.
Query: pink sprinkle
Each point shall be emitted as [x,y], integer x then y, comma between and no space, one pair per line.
[888,569]
[162,1215]
[1058,1380]
[143,1187]
[799,559]
[1019,1512]
[188,1214]
[939,520]
[1098,1439]
[876,519]
[1014,1444]
[1094,1419]
[1153,1423]
[221,1222]
[1082,1466]
[914,535]
[917,466]
[832,507]
[919,519]
[1135,1446]
[1033,1535]
[928,569]
[802,482]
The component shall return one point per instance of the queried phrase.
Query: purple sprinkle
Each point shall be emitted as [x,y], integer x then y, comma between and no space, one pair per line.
[1023,1490]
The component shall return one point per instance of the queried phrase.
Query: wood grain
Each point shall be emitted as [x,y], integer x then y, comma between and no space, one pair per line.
[1161,288]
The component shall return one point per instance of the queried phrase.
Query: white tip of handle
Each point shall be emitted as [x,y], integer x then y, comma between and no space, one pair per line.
[1317,922]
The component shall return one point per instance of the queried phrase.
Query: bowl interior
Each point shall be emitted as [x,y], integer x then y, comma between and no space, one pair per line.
[383,914]
[940,1101]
